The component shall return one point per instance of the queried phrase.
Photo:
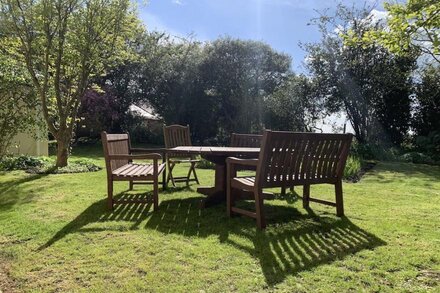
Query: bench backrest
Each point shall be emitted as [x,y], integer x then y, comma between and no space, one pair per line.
[289,158]
[246,140]
[115,144]
[176,135]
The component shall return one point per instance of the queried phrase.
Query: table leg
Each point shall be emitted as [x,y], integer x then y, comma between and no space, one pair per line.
[217,193]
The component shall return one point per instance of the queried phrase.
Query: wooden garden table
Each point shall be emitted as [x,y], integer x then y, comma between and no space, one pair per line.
[217,155]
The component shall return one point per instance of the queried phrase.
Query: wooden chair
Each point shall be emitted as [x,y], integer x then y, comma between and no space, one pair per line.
[174,136]
[120,167]
[246,140]
[289,159]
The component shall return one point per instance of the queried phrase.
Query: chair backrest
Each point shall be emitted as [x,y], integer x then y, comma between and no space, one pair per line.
[246,140]
[176,135]
[115,144]
[289,158]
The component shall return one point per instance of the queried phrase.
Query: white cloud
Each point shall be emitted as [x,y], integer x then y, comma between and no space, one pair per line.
[177,2]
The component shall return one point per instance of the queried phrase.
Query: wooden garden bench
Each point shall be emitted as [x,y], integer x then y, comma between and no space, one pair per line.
[120,167]
[176,136]
[289,159]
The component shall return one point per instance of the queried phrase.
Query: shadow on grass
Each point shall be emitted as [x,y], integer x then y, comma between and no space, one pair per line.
[293,241]
[11,192]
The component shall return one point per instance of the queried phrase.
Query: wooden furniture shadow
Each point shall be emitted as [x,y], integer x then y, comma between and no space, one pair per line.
[289,159]
[176,136]
[120,167]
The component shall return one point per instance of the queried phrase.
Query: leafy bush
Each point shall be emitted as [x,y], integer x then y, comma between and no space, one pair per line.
[10,163]
[375,152]
[352,168]
[429,145]
[204,164]
[417,158]
[44,165]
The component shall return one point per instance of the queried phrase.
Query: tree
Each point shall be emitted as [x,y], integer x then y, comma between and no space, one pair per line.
[64,45]
[427,110]
[369,83]
[415,23]
[238,75]
[18,103]
[292,106]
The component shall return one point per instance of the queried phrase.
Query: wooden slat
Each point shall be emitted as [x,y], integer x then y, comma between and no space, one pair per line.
[244,212]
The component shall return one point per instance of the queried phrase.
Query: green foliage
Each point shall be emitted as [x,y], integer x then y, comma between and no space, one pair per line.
[64,45]
[352,168]
[291,106]
[427,105]
[430,145]
[45,165]
[370,84]
[18,104]
[204,164]
[375,152]
[412,24]
[417,158]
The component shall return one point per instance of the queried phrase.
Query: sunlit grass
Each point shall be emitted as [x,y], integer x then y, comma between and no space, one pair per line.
[57,235]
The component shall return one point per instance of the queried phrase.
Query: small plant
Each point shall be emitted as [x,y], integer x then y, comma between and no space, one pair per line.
[353,168]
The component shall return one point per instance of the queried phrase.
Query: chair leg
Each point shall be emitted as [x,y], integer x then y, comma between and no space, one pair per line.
[170,173]
[228,195]
[261,222]
[131,185]
[292,189]
[306,196]
[110,194]
[156,194]
[188,176]
[283,191]
[193,166]
[339,199]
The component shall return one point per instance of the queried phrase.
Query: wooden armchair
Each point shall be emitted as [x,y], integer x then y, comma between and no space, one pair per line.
[120,167]
[246,140]
[289,159]
[174,136]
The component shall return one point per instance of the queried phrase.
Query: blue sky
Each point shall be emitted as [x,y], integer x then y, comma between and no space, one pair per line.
[280,23]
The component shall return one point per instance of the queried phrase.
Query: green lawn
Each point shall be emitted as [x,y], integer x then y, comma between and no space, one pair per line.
[57,235]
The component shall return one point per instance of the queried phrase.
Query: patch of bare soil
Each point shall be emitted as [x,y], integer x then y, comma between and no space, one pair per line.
[7,284]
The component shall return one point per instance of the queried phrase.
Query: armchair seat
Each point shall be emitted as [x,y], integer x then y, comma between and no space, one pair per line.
[247,183]
[137,171]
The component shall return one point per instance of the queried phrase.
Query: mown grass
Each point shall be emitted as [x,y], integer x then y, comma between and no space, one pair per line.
[56,235]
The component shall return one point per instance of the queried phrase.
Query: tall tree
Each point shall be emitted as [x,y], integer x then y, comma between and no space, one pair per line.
[239,75]
[64,44]
[369,83]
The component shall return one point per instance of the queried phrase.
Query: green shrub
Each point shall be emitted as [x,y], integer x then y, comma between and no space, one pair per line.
[204,164]
[352,168]
[417,158]
[375,152]
[10,163]
[45,165]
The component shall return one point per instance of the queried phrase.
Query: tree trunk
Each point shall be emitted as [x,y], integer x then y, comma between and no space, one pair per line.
[62,152]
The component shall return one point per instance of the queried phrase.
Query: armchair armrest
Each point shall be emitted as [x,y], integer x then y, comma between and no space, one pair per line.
[148,150]
[151,156]
[242,162]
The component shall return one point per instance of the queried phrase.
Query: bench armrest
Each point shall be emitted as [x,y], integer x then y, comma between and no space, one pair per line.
[151,156]
[242,162]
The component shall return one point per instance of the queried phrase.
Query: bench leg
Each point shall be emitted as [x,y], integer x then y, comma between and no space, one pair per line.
[283,191]
[110,194]
[156,194]
[339,199]
[306,196]
[261,221]
[130,185]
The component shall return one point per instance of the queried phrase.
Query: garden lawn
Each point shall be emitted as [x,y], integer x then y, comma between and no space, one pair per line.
[57,235]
